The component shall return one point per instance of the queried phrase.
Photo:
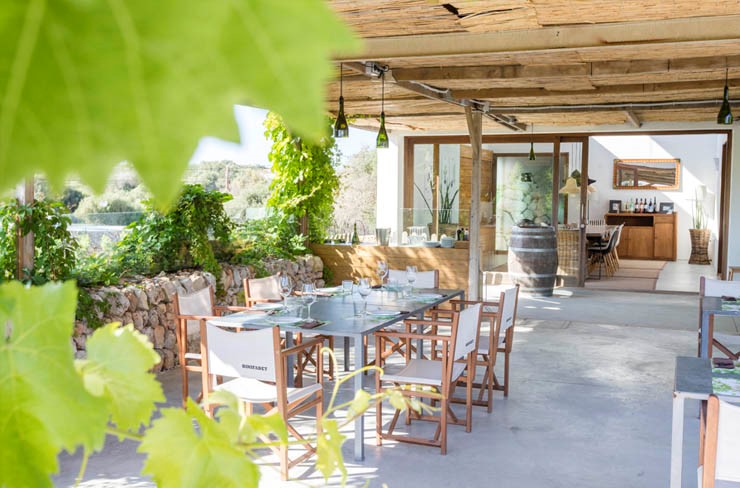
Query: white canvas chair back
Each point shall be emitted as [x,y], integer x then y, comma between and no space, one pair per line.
[424,279]
[718,288]
[197,303]
[728,443]
[264,288]
[618,231]
[467,331]
[249,354]
[508,308]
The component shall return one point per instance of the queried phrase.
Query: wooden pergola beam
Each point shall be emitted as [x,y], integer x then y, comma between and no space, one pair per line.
[589,70]
[633,119]
[639,88]
[444,95]
[666,32]
[475,129]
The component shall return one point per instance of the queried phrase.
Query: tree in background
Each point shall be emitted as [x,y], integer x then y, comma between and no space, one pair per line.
[305,180]
[357,198]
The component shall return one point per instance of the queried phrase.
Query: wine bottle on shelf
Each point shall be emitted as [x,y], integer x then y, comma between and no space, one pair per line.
[355,236]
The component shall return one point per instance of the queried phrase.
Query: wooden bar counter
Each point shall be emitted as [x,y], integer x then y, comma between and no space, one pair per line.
[353,262]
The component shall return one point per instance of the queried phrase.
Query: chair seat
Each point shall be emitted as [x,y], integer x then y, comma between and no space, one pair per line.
[717,483]
[424,372]
[255,391]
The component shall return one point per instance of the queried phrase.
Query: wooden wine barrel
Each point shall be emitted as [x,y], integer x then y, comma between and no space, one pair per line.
[533,259]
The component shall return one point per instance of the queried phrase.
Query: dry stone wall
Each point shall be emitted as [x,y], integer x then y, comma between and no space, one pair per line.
[148,303]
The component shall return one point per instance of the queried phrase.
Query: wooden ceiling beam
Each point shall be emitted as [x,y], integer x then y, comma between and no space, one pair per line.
[567,71]
[633,119]
[641,88]
[673,31]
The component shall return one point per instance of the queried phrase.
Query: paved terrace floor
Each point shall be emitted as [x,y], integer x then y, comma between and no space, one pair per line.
[590,405]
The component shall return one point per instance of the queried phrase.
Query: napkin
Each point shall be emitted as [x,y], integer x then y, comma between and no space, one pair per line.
[312,324]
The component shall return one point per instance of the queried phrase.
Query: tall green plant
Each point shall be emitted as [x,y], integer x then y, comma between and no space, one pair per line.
[305,179]
[180,237]
[54,246]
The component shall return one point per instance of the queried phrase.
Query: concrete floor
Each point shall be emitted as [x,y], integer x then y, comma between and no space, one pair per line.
[590,405]
[681,276]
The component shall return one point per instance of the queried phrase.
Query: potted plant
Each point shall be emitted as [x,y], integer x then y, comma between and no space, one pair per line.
[699,233]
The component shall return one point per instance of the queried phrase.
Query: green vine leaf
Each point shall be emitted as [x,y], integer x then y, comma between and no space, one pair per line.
[179,454]
[45,405]
[85,85]
[329,450]
[117,369]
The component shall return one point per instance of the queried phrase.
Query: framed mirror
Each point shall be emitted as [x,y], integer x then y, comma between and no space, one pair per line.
[646,174]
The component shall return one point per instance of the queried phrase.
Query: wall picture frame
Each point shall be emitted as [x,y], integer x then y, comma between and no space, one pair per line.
[666,207]
[615,206]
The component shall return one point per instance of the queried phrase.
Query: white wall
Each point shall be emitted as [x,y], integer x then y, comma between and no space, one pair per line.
[699,165]
[390,187]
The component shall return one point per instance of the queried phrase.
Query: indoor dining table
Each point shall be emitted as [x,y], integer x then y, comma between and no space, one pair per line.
[338,314]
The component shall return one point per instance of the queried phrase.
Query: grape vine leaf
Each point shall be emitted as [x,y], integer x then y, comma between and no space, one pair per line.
[45,405]
[178,455]
[85,85]
[329,450]
[117,369]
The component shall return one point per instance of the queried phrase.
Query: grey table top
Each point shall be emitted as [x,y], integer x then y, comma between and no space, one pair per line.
[713,305]
[338,313]
[693,376]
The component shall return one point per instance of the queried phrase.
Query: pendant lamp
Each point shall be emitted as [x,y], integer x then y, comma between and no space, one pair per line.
[570,187]
[382,140]
[725,114]
[532,156]
[341,128]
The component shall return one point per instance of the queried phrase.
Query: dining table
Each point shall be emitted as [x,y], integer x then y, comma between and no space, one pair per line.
[696,379]
[713,306]
[337,313]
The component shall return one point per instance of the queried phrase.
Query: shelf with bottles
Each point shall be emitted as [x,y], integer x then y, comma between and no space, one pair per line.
[641,206]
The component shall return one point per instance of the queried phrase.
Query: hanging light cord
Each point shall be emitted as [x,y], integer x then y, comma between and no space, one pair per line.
[382,92]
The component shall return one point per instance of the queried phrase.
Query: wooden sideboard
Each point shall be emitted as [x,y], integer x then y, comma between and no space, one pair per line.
[646,236]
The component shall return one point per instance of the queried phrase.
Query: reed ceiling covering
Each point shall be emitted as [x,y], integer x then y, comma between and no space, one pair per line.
[547,62]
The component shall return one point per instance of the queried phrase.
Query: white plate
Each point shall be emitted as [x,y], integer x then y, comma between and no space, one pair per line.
[385,313]
[286,320]
[426,296]
[332,289]
[267,306]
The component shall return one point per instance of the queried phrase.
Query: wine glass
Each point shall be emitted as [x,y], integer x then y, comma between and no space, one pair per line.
[382,272]
[364,289]
[286,288]
[411,275]
[308,296]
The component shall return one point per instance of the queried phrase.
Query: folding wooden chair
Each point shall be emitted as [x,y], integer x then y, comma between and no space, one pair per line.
[256,362]
[719,466]
[433,377]
[190,312]
[260,290]
[424,279]
[719,288]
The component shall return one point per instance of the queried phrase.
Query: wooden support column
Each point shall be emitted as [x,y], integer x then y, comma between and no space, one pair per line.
[24,244]
[583,221]
[475,129]
[555,182]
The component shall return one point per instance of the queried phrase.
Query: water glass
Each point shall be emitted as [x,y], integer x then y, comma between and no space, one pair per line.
[411,275]
[382,272]
[364,289]
[286,288]
[308,296]
[347,286]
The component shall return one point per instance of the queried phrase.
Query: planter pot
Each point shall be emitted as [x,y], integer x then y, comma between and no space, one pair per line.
[699,246]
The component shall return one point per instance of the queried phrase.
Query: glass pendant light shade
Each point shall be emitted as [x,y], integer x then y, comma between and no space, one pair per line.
[532,156]
[382,140]
[725,114]
[570,187]
[341,128]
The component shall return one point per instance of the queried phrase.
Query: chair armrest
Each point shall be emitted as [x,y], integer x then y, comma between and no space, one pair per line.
[227,308]
[425,322]
[302,346]
[197,317]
